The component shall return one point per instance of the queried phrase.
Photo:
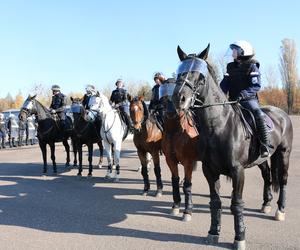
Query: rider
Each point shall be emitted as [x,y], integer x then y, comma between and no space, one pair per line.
[58,105]
[156,106]
[242,82]
[22,128]
[13,129]
[2,131]
[119,98]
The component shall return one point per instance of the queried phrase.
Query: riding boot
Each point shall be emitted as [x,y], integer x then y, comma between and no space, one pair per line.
[128,122]
[263,136]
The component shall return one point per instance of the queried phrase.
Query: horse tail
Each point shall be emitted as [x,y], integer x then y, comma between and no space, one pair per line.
[275,170]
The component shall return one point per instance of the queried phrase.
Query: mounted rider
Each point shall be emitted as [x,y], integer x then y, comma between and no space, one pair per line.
[2,131]
[119,100]
[58,105]
[242,81]
[156,106]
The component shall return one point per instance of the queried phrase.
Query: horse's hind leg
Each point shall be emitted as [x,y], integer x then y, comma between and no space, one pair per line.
[215,205]
[43,147]
[117,153]
[108,150]
[157,172]
[144,171]
[90,159]
[52,148]
[279,168]
[75,150]
[267,196]
[101,154]
[67,147]
[79,148]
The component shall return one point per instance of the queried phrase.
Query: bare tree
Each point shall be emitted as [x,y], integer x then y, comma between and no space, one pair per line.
[288,70]
[271,77]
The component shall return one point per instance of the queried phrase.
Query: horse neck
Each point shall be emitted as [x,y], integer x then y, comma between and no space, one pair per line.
[214,118]
[42,112]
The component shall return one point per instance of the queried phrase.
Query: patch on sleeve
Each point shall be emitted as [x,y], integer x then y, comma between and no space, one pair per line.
[254,80]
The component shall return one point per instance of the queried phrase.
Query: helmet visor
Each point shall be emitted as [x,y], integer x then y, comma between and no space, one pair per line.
[194,64]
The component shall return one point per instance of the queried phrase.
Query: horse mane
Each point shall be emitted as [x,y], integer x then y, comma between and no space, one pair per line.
[212,72]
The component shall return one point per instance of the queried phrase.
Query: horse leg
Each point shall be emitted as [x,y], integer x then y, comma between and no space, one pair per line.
[101,154]
[157,172]
[266,174]
[117,152]
[173,166]
[52,148]
[144,171]
[237,206]
[43,147]
[279,168]
[215,205]
[90,159]
[108,149]
[75,150]
[67,147]
[187,189]
[79,147]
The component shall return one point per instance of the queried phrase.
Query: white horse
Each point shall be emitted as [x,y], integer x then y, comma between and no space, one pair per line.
[113,131]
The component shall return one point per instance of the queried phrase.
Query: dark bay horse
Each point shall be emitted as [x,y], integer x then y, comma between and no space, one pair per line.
[180,145]
[227,148]
[48,131]
[85,132]
[147,138]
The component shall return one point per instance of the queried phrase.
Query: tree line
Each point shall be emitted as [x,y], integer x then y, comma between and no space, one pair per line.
[281,91]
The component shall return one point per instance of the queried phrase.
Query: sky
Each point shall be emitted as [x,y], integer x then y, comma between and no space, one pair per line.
[75,43]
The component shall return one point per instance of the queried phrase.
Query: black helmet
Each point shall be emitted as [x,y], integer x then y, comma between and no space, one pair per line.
[55,88]
[119,81]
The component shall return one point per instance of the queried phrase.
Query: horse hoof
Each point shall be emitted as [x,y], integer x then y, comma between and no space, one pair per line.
[212,239]
[187,217]
[144,192]
[175,211]
[279,216]
[266,209]
[89,175]
[158,193]
[239,245]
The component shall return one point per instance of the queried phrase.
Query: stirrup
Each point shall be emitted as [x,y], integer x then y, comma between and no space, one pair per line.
[264,151]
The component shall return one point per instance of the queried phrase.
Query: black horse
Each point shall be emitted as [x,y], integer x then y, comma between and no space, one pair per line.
[85,132]
[227,149]
[48,131]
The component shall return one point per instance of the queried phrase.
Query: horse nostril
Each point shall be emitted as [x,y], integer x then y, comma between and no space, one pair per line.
[182,99]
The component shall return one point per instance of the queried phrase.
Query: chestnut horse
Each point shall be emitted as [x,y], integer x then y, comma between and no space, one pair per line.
[147,138]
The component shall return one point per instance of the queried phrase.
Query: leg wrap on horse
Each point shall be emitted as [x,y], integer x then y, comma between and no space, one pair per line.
[216,213]
[187,189]
[157,172]
[145,177]
[237,208]
[282,198]
[176,192]
[118,169]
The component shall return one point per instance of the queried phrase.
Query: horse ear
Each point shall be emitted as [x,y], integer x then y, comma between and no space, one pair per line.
[181,54]
[129,97]
[32,97]
[72,99]
[204,54]
[141,98]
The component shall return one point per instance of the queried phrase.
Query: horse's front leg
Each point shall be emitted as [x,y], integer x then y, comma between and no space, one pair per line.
[173,166]
[157,172]
[144,171]
[79,148]
[215,205]
[187,189]
[52,148]
[267,196]
[237,206]
[100,145]
[108,149]
[43,147]
[117,153]
[75,150]
[67,147]
[90,159]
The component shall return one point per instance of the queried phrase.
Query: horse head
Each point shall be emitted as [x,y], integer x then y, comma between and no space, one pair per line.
[28,108]
[77,108]
[191,77]
[136,109]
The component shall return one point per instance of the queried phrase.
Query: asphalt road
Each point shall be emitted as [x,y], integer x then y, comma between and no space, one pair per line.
[64,212]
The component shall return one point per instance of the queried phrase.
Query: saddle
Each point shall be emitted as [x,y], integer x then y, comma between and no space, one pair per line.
[249,122]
